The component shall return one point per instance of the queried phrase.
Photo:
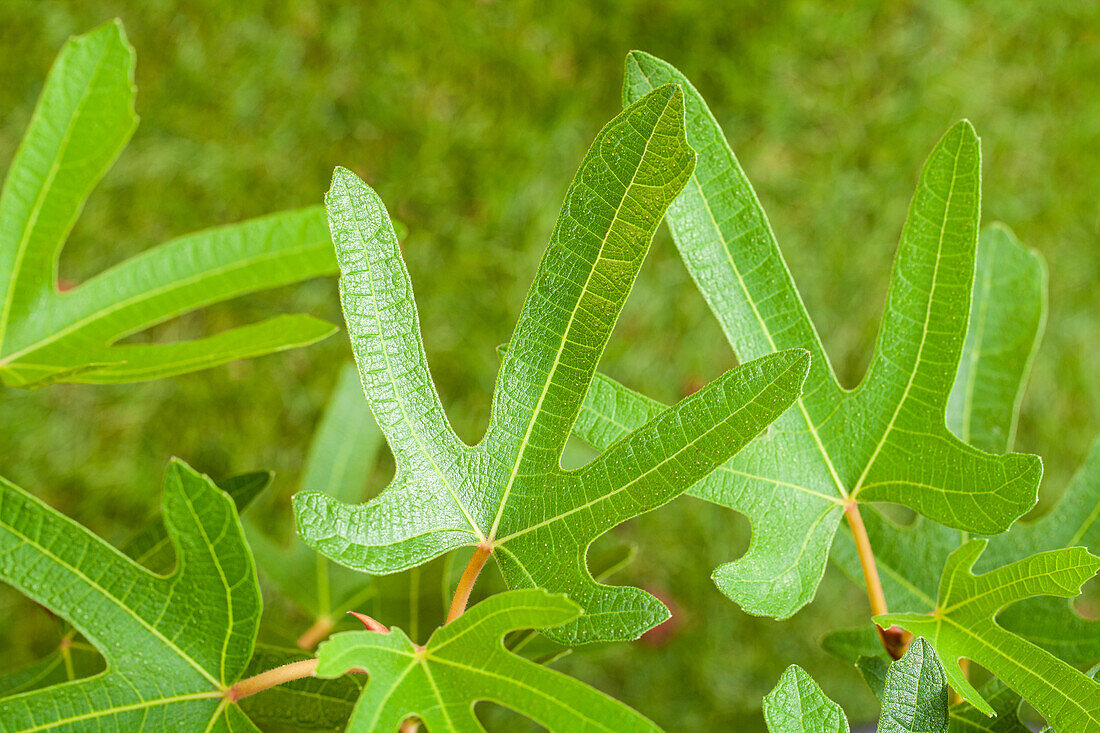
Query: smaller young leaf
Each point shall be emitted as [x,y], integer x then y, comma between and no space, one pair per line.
[914,698]
[465,662]
[963,625]
[797,705]
[913,695]
[863,647]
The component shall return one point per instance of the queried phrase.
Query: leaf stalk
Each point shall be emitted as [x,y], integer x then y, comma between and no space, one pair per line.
[312,636]
[466,582]
[894,640]
[271,678]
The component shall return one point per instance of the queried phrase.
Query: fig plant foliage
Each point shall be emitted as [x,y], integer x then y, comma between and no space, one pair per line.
[508,495]
[84,118]
[884,441]
[164,633]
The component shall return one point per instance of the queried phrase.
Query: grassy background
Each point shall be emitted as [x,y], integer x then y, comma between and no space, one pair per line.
[470,119]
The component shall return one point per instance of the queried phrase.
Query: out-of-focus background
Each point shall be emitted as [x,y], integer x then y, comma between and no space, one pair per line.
[470,118]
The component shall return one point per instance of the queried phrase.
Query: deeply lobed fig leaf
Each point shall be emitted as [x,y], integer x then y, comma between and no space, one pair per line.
[172,644]
[964,625]
[84,118]
[465,662]
[509,493]
[884,441]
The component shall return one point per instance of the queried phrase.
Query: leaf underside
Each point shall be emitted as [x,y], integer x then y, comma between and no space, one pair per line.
[83,120]
[884,441]
[509,492]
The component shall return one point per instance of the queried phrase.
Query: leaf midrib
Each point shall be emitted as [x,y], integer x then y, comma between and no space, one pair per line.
[927,315]
[726,466]
[118,602]
[614,492]
[225,584]
[393,377]
[524,444]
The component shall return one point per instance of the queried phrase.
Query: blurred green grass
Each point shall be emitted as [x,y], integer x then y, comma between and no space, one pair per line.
[469,119]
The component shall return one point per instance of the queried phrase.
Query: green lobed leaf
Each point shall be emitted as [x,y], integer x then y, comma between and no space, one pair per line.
[797,705]
[83,120]
[887,439]
[464,663]
[963,626]
[913,696]
[509,492]
[74,658]
[909,559]
[172,644]
[1007,318]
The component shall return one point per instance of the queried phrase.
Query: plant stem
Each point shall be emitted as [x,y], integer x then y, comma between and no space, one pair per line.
[466,582]
[270,678]
[410,726]
[314,634]
[894,640]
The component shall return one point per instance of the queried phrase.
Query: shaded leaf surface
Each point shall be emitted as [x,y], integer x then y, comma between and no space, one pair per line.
[509,492]
[963,625]
[965,718]
[1007,317]
[913,696]
[465,662]
[84,118]
[886,440]
[151,546]
[171,643]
